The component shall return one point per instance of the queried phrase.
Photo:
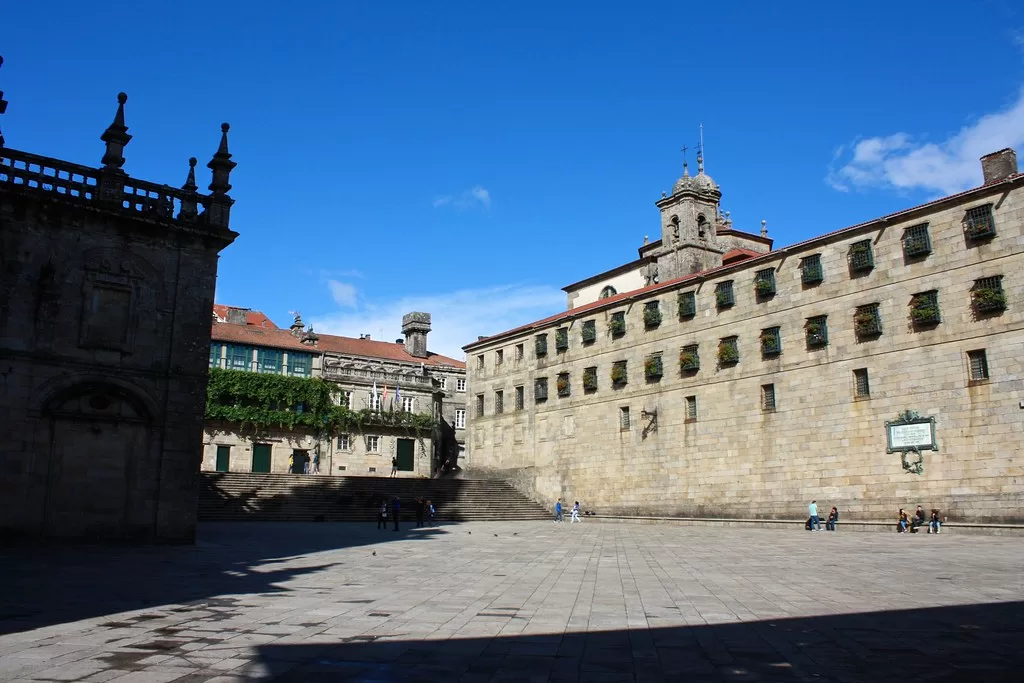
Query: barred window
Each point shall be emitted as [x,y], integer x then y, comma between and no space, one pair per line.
[520,399]
[861,256]
[540,345]
[979,223]
[652,314]
[771,342]
[689,360]
[499,357]
[867,322]
[480,362]
[617,324]
[653,367]
[728,351]
[589,331]
[724,297]
[619,374]
[811,272]
[561,339]
[987,295]
[816,329]
[687,305]
[924,308]
[691,408]
[479,405]
[562,385]
[764,283]
[768,397]
[499,402]
[540,389]
[590,379]
[624,418]
[520,352]
[861,385]
[978,364]
[916,241]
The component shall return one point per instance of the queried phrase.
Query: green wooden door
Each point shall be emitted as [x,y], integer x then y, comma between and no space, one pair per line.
[223,458]
[406,451]
[261,457]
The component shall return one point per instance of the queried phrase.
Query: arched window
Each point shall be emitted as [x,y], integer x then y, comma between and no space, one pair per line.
[608,291]
[702,224]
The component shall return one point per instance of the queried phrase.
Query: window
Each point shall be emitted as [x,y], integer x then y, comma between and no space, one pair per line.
[811,272]
[861,385]
[652,314]
[460,418]
[345,399]
[867,322]
[442,383]
[861,257]
[689,361]
[916,241]
[299,364]
[723,294]
[540,389]
[617,324]
[269,361]
[624,418]
[816,329]
[499,357]
[561,339]
[728,351]
[480,363]
[540,345]
[499,402]
[520,352]
[924,308]
[520,397]
[215,350]
[987,295]
[590,379]
[239,357]
[376,400]
[460,385]
[344,442]
[408,404]
[979,223]
[687,305]
[768,397]
[771,342]
[589,332]
[562,385]
[764,284]
[373,444]
[653,367]
[608,291]
[978,365]
[691,408]
[619,375]
[479,405]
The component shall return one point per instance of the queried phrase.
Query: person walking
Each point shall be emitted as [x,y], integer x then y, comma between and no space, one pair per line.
[575,513]
[420,509]
[316,463]
[396,508]
[558,511]
[291,463]
[431,513]
[394,466]
[813,509]
[382,515]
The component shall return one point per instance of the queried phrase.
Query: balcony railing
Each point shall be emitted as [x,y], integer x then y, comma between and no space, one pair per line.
[338,373]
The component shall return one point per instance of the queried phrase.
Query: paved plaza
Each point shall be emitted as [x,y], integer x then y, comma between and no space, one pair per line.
[531,601]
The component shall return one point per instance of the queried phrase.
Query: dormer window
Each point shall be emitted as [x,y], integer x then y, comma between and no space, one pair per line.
[608,291]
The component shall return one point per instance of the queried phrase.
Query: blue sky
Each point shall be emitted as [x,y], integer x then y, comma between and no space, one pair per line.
[470,159]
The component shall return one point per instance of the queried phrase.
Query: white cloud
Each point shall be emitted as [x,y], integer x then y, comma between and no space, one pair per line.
[900,162]
[457,318]
[476,196]
[343,293]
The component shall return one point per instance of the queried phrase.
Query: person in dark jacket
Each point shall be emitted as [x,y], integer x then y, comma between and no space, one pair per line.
[382,514]
[396,507]
[419,512]
[833,517]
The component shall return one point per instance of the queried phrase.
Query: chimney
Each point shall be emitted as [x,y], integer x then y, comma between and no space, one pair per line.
[399,341]
[415,327]
[999,165]
[365,336]
[238,316]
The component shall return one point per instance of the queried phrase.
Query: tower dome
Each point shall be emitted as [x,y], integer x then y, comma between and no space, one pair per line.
[685,183]
[702,182]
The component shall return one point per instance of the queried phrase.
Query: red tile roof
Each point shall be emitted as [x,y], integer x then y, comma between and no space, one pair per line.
[273,337]
[255,318]
[371,348]
[737,255]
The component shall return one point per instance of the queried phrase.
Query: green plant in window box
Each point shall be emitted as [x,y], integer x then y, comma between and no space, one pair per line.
[561,339]
[541,345]
[865,324]
[987,299]
[618,376]
[915,246]
[688,361]
[764,287]
[923,310]
[687,306]
[723,298]
[652,367]
[652,317]
[617,326]
[769,345]
[815,334]
[590,381]
[589,334]
[562,385]
[978,228]
[860,256]
[728,354]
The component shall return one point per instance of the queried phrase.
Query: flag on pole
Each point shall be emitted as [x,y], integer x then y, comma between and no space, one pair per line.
[373,400]
[385,396]
[398,397]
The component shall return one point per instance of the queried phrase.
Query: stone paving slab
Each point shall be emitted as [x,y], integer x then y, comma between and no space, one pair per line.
[516,601]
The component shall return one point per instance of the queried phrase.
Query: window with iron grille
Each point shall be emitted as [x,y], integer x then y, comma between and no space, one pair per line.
[867,322]
[499,357]
[589,331]
[764,283]
[590,379]
[617,324]
[768,397]
[728,351]
[520,352]
[723,294]
[861,256]
[520,397]
[561,339]
[987,295]
[691,408]
[687,305]
[540,389]
[978,364]
[540,345]
[979,222]
[916,241]
[689,361]
[479,405]
[653,367]
[652,314]
[562,385]
[499,402]
[771,342]
[861,385]
[924,308]
[619,375]
[624,418]
[811,272]
[816,329]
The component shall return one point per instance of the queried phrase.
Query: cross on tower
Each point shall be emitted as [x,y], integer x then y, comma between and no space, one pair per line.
[684,154]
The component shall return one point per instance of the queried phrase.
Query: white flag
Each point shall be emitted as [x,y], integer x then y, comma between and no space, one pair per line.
[373,402]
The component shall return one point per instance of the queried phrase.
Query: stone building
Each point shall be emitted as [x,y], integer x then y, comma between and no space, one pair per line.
[872,368]
[106,284]
[372,375]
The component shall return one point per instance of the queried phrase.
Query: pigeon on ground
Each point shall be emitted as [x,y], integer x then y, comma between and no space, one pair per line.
[375,553]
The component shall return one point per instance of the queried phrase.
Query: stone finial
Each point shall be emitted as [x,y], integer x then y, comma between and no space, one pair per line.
[297,326]
[3,105]
[764,228]
[116,136]
[221,164]
[190,180]
[310,337]
[647,240]
[190,203]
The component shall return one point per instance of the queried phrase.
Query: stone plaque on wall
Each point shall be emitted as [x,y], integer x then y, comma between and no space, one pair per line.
[911,432]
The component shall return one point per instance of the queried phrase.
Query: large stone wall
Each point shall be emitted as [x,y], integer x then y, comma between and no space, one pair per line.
[821,442]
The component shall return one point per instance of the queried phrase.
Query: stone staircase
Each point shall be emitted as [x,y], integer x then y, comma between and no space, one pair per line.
[244,496]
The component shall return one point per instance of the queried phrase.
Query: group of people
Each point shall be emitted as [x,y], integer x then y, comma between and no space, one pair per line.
[424,509]
[814,522]
[308,466]
[905,523]
[575,513]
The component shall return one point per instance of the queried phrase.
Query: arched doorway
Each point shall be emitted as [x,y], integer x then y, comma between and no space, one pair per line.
[97,466]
